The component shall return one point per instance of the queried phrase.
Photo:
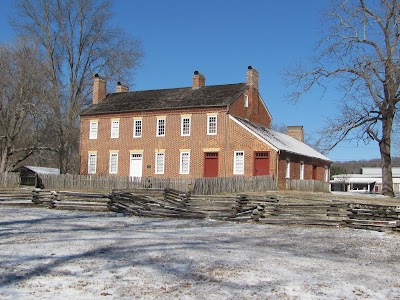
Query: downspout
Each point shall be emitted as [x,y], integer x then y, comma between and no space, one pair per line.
[226,138]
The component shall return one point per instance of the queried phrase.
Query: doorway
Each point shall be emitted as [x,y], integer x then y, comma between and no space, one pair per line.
[136,165]
[211,164]
[261,163]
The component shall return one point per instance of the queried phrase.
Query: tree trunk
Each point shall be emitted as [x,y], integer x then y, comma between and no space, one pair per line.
[386,160]
[61,159]
[3,160]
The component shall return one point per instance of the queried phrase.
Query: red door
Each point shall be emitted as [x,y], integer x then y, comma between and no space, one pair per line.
[211,164]
[314,172]
[261,163]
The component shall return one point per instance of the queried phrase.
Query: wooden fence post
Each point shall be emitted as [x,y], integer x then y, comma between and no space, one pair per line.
[35,197]
[53,199]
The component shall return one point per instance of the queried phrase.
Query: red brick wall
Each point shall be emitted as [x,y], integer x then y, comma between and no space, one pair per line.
[235,138]
[256,111]
[295,160]
[149,142]
[240,139]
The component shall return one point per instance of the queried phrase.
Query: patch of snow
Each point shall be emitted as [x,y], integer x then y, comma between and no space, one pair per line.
[53,254]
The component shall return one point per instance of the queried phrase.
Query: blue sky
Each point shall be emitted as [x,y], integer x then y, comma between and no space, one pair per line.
[220,39]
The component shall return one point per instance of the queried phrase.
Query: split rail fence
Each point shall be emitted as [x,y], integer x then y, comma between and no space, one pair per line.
[158,202]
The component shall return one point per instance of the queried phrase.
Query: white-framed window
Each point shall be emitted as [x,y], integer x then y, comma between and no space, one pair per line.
[92,163]
[238,162]
[287,168]
[185,126]
[113,163]
[94,127]
[302,170]
[184,162]
[212,125]
[246,100]
[137,128]
[160,162]
[326,174]
[114,129]
[161,126]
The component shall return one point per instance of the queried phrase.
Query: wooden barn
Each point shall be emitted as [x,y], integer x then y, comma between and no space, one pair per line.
[30,175]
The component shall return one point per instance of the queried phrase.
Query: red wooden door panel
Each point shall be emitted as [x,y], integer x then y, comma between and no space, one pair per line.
[261,163]
[314,173]
[211,164]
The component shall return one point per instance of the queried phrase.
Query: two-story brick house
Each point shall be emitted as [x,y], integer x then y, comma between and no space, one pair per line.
[197,131]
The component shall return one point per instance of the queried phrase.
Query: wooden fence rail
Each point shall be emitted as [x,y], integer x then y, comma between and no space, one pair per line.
[173,203]
[327,214]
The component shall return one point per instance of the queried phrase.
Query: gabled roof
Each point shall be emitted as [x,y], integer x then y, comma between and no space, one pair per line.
[207,96]
[280,141]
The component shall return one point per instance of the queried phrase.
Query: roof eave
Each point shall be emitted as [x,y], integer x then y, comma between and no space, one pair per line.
[310,156]
[147,110]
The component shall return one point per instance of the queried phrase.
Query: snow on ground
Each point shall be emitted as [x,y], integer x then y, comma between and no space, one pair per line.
[53,254]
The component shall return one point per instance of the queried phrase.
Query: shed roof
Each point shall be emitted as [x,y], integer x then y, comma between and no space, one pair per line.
[377,171]
[207,96]
[40,170]
[280,141]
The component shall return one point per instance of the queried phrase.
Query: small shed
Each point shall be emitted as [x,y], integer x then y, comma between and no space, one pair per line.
[30,175]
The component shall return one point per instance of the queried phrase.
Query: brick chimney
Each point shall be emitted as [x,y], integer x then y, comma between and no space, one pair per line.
[198,80]
[99,88]
[296,132]
[121,88]
[252,77]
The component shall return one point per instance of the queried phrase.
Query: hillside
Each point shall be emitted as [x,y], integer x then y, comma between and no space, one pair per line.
[354,166]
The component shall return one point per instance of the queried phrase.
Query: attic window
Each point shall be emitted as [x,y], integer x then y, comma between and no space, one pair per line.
[246,101]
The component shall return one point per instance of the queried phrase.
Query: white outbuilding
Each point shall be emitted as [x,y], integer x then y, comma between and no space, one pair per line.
[370,180]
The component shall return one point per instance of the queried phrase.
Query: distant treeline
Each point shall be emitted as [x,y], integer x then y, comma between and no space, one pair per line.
[354,166]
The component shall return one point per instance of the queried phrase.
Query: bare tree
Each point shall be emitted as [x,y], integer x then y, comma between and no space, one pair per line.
[78,40]
[22,87]
[360,53]
[282,128]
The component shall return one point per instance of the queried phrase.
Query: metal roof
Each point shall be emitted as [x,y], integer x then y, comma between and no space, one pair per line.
[280,141]
[42,170]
